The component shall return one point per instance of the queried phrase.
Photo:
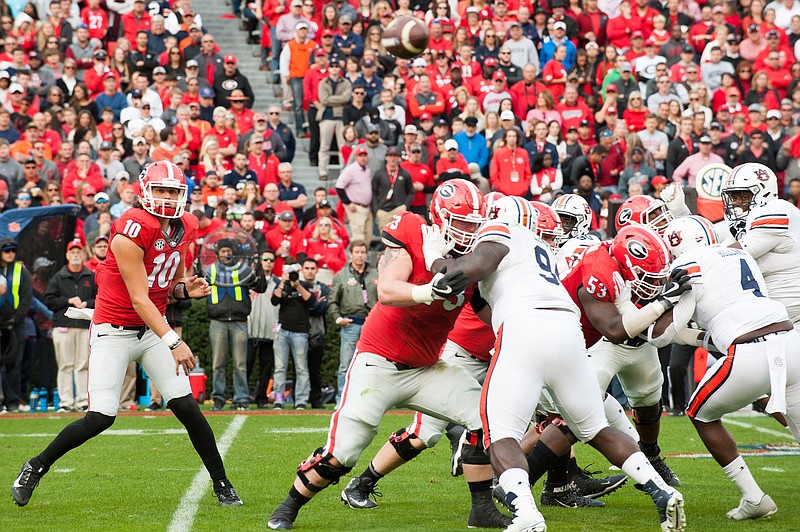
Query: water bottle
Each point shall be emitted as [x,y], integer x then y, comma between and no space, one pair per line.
[43,399]
[34,399]
[56,400]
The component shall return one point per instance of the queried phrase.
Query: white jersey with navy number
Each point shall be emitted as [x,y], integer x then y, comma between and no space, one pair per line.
[772,237]
[526,278]
[729,293]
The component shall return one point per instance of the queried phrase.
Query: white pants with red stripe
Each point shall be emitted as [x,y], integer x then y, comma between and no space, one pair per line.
[522,367]
[374,385]
[428,428]
[742,376]
[111,350]
[638,369]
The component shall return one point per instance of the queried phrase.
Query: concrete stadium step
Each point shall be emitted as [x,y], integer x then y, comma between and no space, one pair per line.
[231,40]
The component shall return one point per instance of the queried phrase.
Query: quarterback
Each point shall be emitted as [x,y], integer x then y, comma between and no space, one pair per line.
[143,269]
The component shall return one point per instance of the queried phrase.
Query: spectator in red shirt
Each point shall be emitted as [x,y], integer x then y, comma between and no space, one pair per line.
[264,164]
[422,176]
[96,19]
[135,21]
[619,29]
[286,239]
[573,111]
[452,164]
[325,247]
[554,73]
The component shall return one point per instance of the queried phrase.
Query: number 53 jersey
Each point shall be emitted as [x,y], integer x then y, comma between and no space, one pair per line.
[526,278]
[162,256]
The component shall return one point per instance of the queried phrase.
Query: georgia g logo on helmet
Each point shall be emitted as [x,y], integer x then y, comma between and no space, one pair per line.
[624,216]
[447,191]
[637,249]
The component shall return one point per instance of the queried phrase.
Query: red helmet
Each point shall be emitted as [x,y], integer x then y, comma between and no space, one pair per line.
[643,259]
[548,224]
[491,199]
[644,210]
[458,208]
[162,174]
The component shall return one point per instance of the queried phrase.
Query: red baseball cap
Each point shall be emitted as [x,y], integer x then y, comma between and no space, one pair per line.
[636,33]
[611,110]
[425,116]
[89,191]
[490,61]
[659,180]
[361,151]
[498,75]
[327,32]
[230,58]
[76,243]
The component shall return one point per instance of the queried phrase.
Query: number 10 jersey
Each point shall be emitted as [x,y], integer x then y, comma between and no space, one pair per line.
[162,255]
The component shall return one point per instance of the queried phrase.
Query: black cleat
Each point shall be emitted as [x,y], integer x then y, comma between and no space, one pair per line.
[226,494]
[218,405]
[282,518]
[567,496]
[357,494]
[26,482]
[665,472]
[485,514]
[456,434]
[593,488]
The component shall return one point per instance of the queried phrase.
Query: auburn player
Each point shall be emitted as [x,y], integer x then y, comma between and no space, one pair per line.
[576,222]
[144,267]
[753,331]
[516,270]
[397,358]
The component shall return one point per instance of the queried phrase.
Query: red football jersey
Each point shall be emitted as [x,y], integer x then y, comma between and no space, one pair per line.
[410,335]
[162,256]
[598,273]
[472,334]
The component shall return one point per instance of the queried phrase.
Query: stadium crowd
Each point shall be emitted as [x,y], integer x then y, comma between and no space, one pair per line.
[605,99]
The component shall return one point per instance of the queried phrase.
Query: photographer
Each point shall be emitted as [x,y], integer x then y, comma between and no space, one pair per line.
[317,330]
[291,333]
[231,277]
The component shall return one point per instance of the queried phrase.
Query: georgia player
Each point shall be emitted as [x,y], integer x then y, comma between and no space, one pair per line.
[516,271]
[144,267]
[397,357]
[753,331]
[644,210]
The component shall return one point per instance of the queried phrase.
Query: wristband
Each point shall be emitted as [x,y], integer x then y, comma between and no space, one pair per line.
[171,339]
[179,292]
[637,321]
[339,320]
[422,294]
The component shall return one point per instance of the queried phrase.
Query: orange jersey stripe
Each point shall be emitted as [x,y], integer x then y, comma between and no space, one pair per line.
[494,228]
[770,221]
[712,385]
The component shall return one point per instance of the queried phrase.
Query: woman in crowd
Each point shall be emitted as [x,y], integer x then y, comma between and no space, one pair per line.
[473,108]
[68,81]
[545,110]
[327,249]
[175,62]
[761,92]
[635,112]
[120,142]
[81,101]
[510,168]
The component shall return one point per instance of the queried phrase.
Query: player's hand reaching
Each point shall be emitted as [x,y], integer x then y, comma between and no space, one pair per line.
[675,199]
[434,246]
[677,285]
[448,284]
[183,357]
[197,287]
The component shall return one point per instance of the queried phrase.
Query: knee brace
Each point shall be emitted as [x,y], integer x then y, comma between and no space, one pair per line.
[473,452]
[94,423]
[640,416]
[562,426]
[401,441]
[184,407]
[320,462]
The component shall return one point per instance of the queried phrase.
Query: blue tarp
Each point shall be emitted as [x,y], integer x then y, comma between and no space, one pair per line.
[13,222]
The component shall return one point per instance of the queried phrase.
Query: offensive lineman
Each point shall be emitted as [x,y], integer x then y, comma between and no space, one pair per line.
[761,346]
[397,358]
[144,267]
[516,270]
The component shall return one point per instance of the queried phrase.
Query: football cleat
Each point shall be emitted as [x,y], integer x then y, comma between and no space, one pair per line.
[499,494]
[226,494]
[527,518]
[456,443]
[665,472]
[593,488]
[567,496]
[669,504]
[484,514]
[26,482]
[747,510]
[282,518]
[357,494]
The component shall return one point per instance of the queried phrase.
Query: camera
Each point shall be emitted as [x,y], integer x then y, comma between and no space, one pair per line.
[294,271]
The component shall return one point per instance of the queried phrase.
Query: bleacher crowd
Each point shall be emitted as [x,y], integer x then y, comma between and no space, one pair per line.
[603,98]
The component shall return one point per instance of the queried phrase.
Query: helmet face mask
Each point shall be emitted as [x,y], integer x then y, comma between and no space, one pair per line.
[749,185]
[458,208]
[575,215]
[157,183]
[643,259]
[548,224]
[644,210]
[658,218]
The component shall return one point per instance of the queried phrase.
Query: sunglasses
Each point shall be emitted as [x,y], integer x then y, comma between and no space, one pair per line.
[267,259]
[102,201]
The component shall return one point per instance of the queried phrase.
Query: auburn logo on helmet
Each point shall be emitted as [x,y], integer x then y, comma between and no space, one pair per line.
[637,249]
[675,239]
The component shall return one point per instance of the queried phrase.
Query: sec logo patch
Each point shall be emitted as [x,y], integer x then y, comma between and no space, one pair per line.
[160,245]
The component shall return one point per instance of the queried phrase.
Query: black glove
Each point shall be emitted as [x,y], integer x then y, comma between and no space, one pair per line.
[450,284]
[677,284]
[736,228]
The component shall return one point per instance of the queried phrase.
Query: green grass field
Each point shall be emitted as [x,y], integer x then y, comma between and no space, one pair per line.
[134,477]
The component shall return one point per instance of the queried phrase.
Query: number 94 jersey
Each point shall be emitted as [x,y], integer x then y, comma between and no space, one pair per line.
[526,278]
[162,256]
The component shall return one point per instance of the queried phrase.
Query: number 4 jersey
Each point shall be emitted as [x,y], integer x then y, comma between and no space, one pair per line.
[526,278]
[162,256]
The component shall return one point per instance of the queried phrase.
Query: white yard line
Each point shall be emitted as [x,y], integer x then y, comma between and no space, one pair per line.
[183,518]
[109,432]
[786,435]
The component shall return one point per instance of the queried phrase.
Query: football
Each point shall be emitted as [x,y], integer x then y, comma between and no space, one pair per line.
[406,37]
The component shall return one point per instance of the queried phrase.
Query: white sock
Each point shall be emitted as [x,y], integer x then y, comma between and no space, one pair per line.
[616,417]
[739,473]
[638,467]
[515,480]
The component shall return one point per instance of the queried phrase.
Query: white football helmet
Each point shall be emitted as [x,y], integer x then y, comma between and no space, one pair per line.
[689,232]
[575,214]
[514,209]
[491,199]
[748,185]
